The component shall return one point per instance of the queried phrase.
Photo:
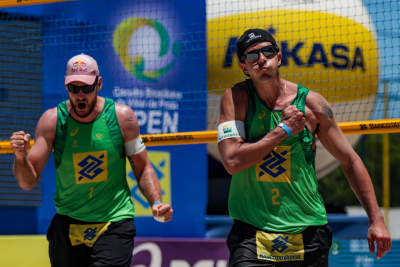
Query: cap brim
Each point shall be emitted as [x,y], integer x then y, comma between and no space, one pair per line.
[88,79]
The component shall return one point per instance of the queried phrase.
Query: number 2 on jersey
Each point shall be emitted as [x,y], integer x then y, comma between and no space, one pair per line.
[276,191]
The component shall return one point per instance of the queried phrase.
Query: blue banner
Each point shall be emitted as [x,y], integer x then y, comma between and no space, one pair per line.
[152,58]
[355,253]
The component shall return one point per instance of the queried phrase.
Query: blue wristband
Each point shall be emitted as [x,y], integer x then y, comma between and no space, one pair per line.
[285,128]
[157,202]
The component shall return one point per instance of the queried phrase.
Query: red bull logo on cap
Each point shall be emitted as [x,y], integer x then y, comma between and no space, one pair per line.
[79,66]
[79,63]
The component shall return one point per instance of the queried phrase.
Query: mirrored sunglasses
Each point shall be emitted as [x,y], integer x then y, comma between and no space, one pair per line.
[255,54]
[86,89]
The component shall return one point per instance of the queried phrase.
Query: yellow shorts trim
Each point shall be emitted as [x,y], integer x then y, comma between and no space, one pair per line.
[86,233]
[279,247]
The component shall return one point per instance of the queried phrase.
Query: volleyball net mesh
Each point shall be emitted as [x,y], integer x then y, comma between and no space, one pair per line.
[171,61]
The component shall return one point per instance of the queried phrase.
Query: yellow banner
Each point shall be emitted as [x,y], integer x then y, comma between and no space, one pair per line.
[24,250]
[203,137]
[14,3]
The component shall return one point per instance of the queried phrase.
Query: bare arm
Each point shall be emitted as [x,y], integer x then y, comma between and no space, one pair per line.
[334,141]
[28,167]
[236,153]
[146,177]
[144,173]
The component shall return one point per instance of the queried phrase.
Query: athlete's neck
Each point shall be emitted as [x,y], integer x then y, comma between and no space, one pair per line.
[98,108]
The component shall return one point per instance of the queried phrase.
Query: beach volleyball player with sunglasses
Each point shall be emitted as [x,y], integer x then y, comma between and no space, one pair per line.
[91,137]
[266,134]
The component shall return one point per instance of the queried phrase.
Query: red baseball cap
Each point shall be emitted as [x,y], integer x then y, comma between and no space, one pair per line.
[81,68]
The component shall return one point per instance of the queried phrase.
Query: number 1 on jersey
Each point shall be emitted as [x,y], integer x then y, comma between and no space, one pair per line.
[91,192]
[275,190]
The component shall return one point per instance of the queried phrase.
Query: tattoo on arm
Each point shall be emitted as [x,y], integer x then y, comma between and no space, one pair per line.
[147,182]
[132,164]
[326,109]
[149,186]
[129,119]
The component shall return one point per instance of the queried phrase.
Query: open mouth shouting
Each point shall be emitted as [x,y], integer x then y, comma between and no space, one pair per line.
[82,105]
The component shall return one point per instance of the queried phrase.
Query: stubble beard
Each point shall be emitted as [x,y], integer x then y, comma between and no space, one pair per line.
[90,105]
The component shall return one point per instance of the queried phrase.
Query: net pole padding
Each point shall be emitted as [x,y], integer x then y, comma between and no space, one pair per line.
[203,137]
[16,3]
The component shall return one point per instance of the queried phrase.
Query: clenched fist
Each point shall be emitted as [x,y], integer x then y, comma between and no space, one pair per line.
[293,119]
[162,212]
[20,143]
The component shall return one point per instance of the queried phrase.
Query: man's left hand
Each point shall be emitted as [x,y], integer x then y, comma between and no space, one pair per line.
[163,210]
[377,232]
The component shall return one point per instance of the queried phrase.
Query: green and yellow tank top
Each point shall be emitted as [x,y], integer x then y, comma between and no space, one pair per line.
[90,167]
[280,193]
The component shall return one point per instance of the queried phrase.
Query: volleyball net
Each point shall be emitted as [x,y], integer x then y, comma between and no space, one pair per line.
[171,61]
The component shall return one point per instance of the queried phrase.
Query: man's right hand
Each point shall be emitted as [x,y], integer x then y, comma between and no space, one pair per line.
[20,143]
[293,119]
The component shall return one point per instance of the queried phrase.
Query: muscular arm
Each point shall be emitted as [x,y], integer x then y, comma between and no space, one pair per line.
[146,177]
[236,154]
[144,173]
[28,167]
[335,142]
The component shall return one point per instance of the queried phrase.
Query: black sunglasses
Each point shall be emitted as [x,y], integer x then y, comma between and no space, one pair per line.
[86,89]
[255,54]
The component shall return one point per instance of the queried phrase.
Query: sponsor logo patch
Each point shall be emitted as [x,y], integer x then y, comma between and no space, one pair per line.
[275,167]
[86,233]
[279,247]
[262,115]
[227,129]
[90,167]
[74,131]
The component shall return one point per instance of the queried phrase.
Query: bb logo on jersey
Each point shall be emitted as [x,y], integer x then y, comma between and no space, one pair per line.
[275,167]
[90,167]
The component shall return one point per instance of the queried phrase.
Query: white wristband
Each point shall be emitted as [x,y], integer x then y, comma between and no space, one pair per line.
[159,218]
[231,129]
[134,146]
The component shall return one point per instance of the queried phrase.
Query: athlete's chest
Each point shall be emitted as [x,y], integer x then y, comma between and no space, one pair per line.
[84,137]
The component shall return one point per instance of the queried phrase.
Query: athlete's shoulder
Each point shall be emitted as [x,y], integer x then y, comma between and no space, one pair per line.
[127,121]
[319,105]
[297,84]
[234,103]
[48,123]
[236,93]
[240,88]
[50,115]
[123,110]
[313,99]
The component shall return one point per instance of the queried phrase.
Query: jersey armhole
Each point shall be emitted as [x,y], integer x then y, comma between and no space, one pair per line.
[251,107]
[60,137]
